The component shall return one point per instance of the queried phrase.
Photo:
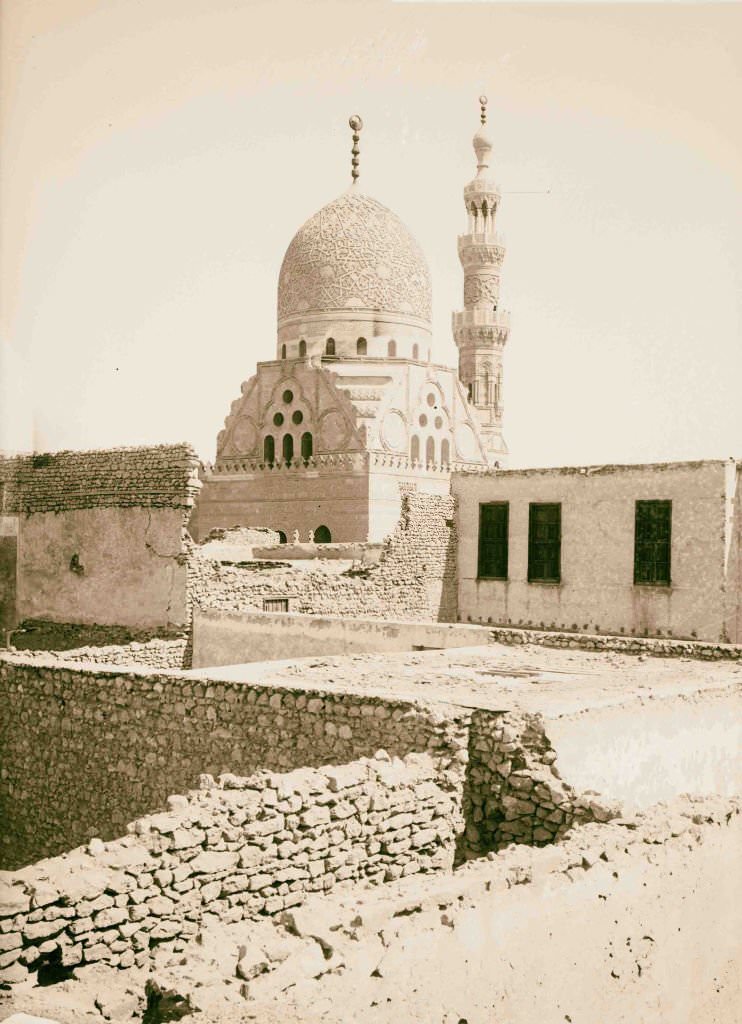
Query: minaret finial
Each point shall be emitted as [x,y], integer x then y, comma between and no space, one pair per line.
[483,109]
[356,124]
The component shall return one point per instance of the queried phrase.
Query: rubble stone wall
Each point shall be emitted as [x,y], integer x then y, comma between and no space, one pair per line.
[117,743]
[514,792]
[153,654]
[415,577]
[658,647]
[244,847]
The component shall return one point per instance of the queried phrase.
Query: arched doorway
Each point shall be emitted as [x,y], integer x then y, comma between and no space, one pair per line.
[322,535]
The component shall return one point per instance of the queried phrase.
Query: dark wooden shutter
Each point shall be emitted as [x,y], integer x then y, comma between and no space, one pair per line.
[493,540]
[652,542]
[544,543]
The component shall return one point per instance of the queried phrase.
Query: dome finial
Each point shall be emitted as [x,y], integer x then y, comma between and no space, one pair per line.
[356,124]
[483,109]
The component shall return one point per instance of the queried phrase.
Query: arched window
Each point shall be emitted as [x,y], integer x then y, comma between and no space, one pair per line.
[306,446]
[283,351]
[361,347]
[302,348]
[391,349]
[415,448]
[445,452]
[415,351]
[288,448]
[330,347]
[269,450]
[281,537]
[430,452]
[322,535]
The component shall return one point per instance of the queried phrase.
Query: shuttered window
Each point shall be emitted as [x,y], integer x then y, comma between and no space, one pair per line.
[275,604]
[493,540]
[652,539]
[544,543]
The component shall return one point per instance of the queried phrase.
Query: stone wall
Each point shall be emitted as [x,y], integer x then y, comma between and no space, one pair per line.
[245,847]
[654,646]
[117,743]
[514,792]
[164,476]
[415,577]
[153,654]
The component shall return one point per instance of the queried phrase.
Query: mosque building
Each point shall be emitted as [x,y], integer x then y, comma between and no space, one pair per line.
[354,410]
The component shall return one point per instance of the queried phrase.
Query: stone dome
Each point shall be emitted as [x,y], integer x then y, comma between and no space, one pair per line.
[354,254]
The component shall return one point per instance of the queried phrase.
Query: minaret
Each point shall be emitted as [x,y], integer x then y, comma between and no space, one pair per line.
[481,328]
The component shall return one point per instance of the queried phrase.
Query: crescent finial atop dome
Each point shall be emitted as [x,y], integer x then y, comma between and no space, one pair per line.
[355,124]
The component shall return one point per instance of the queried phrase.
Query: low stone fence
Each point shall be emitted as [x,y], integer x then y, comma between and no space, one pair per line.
[151,654]
[658,647]
[237,849]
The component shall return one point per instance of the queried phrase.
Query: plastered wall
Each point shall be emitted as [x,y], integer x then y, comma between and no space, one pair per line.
[130,567]
[231,638]
[597,593]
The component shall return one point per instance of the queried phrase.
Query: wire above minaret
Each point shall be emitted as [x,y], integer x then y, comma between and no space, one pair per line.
[356,124]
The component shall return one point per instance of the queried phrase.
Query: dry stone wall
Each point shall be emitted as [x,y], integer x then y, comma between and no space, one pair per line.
[164,476]
[237,849]
[116,744]
[514,792]
[153,654]
[415,577]
[658,647]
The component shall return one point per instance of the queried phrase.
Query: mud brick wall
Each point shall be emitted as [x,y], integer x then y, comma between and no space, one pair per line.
[246,847]
[415,577]
[117,743]
[514,792]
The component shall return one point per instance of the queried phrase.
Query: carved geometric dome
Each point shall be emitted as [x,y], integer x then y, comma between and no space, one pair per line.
[354,254]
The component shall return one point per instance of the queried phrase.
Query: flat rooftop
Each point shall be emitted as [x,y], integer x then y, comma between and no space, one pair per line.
[550,681]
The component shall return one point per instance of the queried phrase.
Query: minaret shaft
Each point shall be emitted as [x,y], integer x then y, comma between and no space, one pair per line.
[481,328]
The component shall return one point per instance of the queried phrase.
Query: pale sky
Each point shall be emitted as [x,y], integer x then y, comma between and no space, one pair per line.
[158,156]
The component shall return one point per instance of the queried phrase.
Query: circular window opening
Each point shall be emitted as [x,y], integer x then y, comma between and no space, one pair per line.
[438,422]
[423,421]
[278,419]
[288,397]
[297,417]
[431,400]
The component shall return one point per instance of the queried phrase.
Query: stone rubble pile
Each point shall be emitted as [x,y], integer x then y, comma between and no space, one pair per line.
[235,850]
